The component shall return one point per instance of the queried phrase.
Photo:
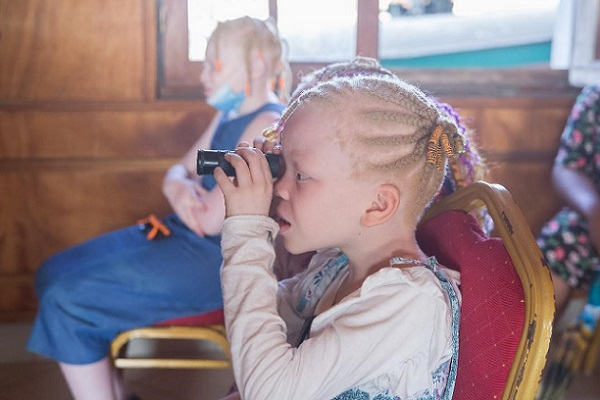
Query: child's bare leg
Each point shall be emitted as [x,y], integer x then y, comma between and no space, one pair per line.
[121,392]
[90,381]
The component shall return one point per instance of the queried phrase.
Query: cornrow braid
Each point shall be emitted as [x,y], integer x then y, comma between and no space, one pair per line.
[468,167]
[359,65]
[388,126]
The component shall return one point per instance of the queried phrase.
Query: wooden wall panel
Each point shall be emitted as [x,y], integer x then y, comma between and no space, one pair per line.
[522,130]
[99,131]
[62,208]
[70,173]
[18,301]
[519,138]
[45,212]
[73,50]
[513,126]
[529,183]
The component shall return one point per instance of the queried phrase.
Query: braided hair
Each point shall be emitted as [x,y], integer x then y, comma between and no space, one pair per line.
[263,36]
[395,131]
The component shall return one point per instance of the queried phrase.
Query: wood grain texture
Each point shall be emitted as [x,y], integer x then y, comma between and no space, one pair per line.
[121,130]
[73,50]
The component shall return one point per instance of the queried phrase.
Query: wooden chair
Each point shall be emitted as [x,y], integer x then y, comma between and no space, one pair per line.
[507,310]
[508,304]
[202,327]
[590,360]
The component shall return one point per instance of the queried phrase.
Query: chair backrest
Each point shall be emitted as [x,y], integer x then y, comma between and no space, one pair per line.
[508,305]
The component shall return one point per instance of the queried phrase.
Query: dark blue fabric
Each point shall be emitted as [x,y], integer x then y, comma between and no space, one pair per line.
[120,280]
[229,132]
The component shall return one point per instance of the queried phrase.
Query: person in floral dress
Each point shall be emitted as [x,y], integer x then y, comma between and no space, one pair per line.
[570,241]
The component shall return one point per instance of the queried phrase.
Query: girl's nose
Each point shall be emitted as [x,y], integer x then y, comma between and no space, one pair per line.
[280,188]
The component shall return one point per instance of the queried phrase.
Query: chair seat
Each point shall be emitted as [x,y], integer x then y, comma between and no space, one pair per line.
[215,317]
[201,327]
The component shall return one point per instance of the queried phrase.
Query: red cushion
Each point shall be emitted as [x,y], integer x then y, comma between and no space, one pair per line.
[210,318]
[493,308]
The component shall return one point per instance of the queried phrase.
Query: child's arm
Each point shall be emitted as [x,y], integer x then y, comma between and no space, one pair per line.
[399,325]
[396,327]
[181,185]
[203,211]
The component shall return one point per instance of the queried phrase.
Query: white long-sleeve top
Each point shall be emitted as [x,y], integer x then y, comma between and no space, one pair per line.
[391,337]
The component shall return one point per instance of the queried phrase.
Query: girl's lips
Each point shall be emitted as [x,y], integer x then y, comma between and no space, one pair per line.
[283,223]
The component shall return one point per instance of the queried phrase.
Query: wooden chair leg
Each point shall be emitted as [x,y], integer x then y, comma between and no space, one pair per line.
[591,357]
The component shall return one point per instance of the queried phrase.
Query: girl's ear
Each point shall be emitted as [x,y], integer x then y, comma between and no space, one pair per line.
[383,206]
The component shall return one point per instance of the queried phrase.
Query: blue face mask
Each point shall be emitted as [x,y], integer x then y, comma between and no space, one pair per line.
[225,99]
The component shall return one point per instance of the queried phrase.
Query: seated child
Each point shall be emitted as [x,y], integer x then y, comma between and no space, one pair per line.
[462,170]
[131,278]
[373,316]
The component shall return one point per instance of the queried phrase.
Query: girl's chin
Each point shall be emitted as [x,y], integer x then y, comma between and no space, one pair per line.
[292,247]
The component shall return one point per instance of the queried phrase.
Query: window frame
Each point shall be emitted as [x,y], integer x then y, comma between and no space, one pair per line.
[178,77]
[585,60]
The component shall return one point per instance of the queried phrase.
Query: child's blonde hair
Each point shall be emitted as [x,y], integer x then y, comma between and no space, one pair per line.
[463,170]
[359,65]
[263,36]
[390,128]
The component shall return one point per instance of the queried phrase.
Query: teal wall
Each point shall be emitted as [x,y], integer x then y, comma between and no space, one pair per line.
[537,53]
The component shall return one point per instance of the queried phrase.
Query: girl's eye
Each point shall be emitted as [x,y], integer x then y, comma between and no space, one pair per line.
[301,177]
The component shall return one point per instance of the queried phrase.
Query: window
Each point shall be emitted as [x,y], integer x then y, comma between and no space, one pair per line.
[326,35]
[454,37]
[466,33]
[202,17]
[584,67]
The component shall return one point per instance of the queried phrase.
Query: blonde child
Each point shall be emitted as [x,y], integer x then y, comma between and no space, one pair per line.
[462,170]
[373,317]
[123,280]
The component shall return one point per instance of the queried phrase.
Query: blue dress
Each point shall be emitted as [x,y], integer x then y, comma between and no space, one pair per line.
[120,280]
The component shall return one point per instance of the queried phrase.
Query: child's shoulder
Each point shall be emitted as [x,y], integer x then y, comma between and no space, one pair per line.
[417,279]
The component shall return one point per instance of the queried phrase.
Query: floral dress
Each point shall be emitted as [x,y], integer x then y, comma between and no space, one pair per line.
[564,240]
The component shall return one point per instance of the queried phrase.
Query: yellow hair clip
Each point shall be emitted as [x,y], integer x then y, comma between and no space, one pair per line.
[271,134]
[439,144]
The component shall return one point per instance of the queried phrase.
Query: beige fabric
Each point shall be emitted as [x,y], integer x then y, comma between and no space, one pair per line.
[391,334]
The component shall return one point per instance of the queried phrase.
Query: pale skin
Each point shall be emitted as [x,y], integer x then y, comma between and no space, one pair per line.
[579,193]
[202,211]
[321,203]
[363,217]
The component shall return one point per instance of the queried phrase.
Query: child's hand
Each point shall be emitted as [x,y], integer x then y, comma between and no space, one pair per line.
[251,191]
[185,197]
[267,146]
